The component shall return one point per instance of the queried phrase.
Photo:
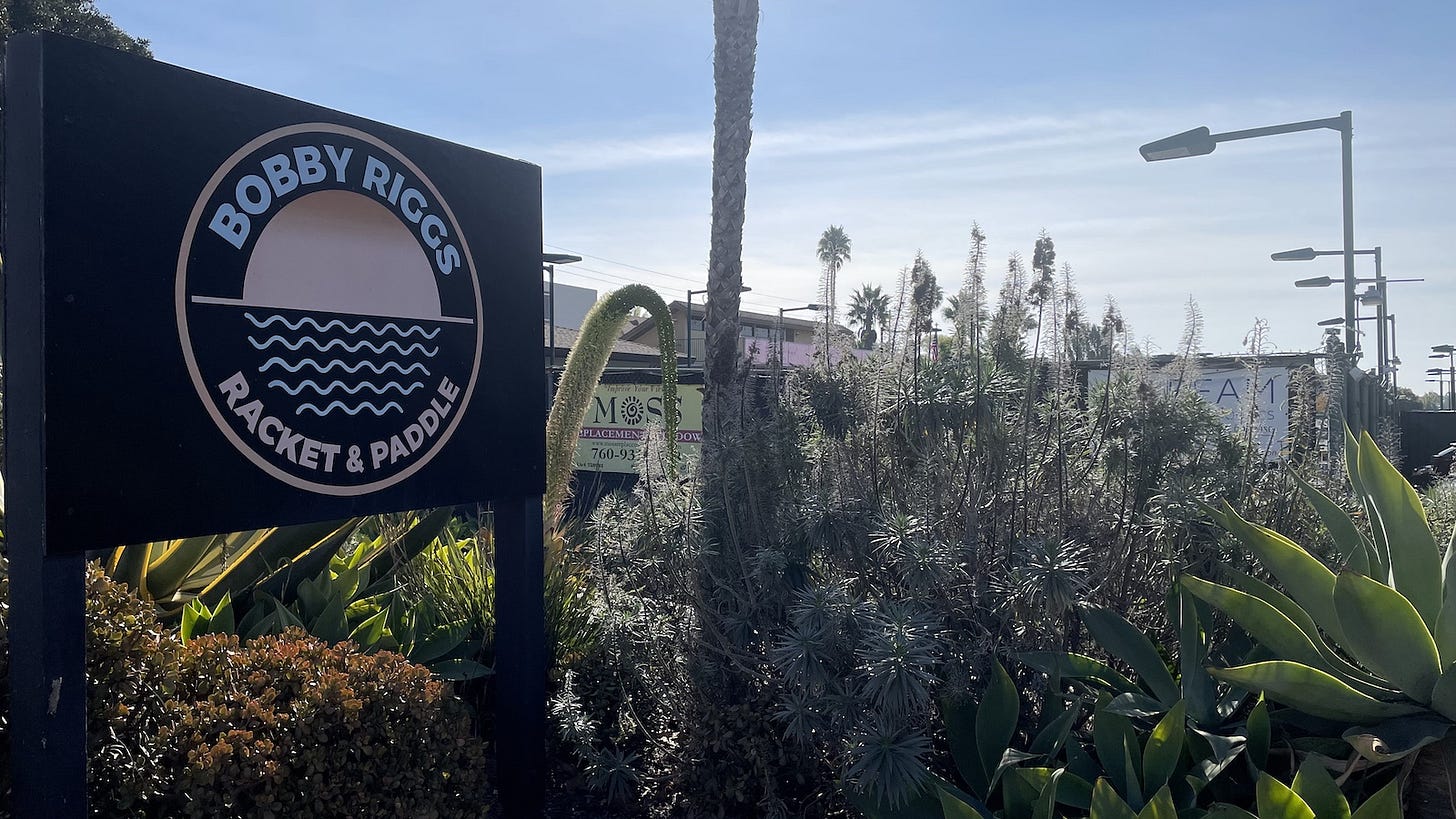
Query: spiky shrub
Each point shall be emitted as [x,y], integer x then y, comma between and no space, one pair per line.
[584,364]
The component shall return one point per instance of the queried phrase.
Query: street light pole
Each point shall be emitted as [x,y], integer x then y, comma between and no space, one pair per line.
[783,310]
[1346,130]
[549,261]
[1449,351]
[1394,356]
[688,322]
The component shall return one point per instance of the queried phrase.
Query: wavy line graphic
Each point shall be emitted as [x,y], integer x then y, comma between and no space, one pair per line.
[339,342]
[354,410]
[332,323]
[333,385]
[336,364]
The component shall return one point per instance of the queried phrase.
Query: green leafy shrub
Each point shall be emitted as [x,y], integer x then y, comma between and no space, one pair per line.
[283,725]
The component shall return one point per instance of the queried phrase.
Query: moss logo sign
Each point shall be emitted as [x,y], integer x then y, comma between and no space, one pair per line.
[329,310]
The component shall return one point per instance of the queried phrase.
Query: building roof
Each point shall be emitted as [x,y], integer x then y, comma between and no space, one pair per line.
[641,328]
[566,339]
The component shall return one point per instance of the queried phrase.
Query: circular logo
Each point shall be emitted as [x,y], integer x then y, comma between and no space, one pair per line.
[329,310]
[633,410]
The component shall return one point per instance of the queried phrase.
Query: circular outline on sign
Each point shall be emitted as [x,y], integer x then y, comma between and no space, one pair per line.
[186,338]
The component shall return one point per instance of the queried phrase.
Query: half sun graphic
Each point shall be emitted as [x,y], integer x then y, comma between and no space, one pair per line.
[340,334]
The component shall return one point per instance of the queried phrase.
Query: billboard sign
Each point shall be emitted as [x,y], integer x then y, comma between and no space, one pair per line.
[1231,389]
[620,415]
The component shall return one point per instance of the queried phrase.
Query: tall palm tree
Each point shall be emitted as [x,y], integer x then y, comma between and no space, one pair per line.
[869,308]
[834,246]
[735,36]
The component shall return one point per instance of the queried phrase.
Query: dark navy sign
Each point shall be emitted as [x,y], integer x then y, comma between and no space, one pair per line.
[247,310]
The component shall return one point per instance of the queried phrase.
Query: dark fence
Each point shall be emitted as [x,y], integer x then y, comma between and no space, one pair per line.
[1424,434]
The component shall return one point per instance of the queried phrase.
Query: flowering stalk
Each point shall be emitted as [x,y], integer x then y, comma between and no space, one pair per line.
[583,370]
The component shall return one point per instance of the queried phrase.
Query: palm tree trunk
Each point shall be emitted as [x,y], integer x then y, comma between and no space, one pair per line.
[735,31]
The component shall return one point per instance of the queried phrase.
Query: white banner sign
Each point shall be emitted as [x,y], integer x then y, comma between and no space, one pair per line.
[1229,389]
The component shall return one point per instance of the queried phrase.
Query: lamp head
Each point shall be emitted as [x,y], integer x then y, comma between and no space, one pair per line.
[1303,254]
[1317,281]
[1332,322]
[1196,142]
[559,258]
[1443,348]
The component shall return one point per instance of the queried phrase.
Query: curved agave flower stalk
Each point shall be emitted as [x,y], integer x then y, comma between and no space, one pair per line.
[583,370]
[1391,610]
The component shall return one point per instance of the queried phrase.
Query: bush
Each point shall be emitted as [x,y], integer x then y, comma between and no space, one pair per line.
[281,726]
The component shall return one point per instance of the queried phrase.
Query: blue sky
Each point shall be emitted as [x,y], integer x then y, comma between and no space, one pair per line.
[905,121]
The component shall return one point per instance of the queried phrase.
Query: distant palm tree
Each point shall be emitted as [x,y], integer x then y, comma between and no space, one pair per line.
[868,308]
[952,309]
[834,248]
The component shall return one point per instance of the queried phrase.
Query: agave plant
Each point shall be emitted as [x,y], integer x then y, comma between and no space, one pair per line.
[172,573]
[1371,644]
[1313,795]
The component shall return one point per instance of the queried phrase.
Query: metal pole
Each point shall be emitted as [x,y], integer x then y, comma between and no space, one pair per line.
[1347,175]
[1451,356]
[688,323]
[1347,190]
[1382,349]
[1394,370]
[551,317]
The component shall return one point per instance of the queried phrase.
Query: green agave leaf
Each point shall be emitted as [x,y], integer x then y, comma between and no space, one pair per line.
[1397,738]
[1312,691]
[959,714]
[440,641]
[331,627]
[1020,790]
[369,632]
[1347,537]
[1049,740]
[1443,696]
[1160,806]
[996,718]
[1106,804]
[1077,667]
[1399,523]
[954,808]
[1386,634]
[1074,791]
[1133,704]
[1122,639]
[1111,735]
[1262,621]
[1445,630]
[1196,685]
[1046,801]
[1385,804]
[223,619]
[191,613]
[1259,734]
[1304,577]
[1080,762]
[1164,747]
[1277,801]
[1357,677]
[458,669]
[1317,788]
